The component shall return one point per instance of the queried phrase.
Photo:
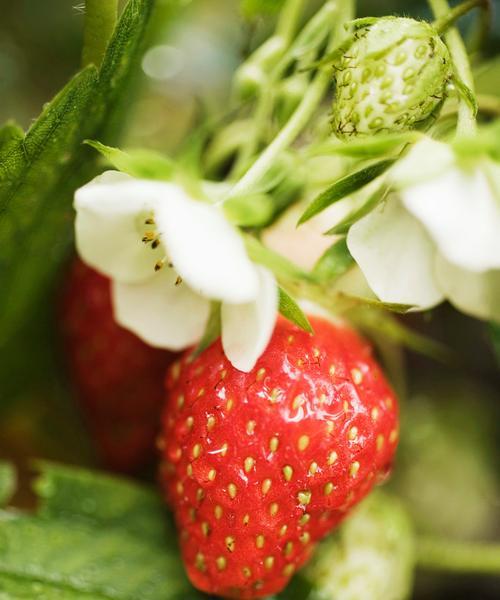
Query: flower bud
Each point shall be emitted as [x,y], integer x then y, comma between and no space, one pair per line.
[392,77]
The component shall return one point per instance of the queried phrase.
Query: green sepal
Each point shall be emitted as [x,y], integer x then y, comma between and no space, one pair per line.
[335,261]
[344,187]
[144,164]
[466,93]
[373,201]
[292,311]
[393,307]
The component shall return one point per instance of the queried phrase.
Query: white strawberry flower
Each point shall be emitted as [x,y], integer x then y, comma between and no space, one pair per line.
[438,236]
[168,256]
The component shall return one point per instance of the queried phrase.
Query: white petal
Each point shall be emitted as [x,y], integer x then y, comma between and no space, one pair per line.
[477,294]
[206,250]
[462,215]
[426,159]
[110,215]
[161,313]
[247,328]
[395,255]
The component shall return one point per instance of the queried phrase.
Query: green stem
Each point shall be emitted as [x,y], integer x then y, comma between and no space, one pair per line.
[466,118]
[458,557]
[289,19]
[100,20]
[285,29]
[300,117]
[443,23]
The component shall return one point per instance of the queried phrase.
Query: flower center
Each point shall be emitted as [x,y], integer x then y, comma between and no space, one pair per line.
[151,237]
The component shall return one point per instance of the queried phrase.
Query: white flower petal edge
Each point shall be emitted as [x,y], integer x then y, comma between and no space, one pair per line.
[477,294]
[110,215]
[161,313]
[396,256]
[207,252]
[247,328]
[461,214]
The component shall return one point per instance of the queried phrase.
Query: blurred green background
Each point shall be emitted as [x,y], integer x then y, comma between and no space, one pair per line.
[448,469]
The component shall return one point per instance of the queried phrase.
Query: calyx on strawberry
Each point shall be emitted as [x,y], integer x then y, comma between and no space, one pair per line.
[118,379]
[391,77]
[259,466]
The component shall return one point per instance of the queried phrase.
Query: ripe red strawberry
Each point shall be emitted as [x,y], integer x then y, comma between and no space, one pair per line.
[117,377]
[259,466]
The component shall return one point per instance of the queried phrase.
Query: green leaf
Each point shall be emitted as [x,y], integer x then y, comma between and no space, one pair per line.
[10,134]
[35,200]
[292,311]
[118,70]
[39,173]
[344,225]
[212,330]
[334,262]
[145,164]
[275,262]
[67,492]
[344,187]
[94,537]
[7,482]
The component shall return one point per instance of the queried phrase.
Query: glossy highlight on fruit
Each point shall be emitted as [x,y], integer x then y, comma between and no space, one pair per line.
[259,466]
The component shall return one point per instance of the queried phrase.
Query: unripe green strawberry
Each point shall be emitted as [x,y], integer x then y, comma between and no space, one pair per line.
[370,557]
[391,77]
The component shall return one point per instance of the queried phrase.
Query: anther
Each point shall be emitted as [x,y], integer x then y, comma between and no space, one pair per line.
[159,264]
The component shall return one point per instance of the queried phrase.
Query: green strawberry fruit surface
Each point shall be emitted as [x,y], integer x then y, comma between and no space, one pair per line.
[392,76]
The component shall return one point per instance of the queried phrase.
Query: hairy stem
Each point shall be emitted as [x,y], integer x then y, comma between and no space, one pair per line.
[300,117]
[443,23]
[458,557]
[100,20]
[289,19]
[285,29]
[466,118]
